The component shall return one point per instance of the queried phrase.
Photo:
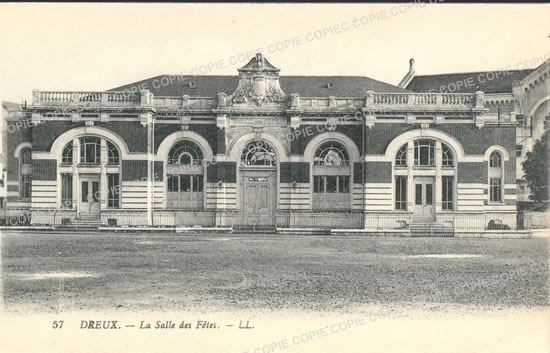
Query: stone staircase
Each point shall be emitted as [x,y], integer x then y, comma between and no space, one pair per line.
[84,222]
[430,229]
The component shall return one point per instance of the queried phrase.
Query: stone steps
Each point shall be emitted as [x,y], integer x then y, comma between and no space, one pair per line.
[84,222]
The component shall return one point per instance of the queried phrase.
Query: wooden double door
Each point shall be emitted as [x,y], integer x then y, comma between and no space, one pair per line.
[258,196]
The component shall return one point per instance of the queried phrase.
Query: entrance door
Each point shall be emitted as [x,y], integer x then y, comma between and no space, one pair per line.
[424,199]
[258,201]
[89,194]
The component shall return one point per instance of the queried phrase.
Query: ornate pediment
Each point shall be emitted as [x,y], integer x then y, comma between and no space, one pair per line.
[258,83]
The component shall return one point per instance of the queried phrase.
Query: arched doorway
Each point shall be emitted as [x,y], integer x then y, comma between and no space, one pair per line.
[185,176]
[258,185]
[89,175]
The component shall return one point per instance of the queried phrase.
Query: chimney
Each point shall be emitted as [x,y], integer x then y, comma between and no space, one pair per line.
[409,76]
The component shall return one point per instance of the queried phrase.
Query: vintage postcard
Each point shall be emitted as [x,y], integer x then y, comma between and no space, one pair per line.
[273,178]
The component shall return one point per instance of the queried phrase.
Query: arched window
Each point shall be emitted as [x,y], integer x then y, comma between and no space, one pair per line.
[113,156]
[258,153]
[90,150]
[495,177]
[185,153]
[495,161]
[331,154]
[331,176]
[67,156]
[401,157]
[446,156]
[185,176]
[25,174]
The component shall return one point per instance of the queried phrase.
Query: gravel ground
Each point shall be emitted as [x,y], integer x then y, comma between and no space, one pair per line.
[52,272]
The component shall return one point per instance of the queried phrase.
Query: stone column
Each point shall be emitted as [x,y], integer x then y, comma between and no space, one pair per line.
[103,185]
[438,184]
[410,177]
[76,176]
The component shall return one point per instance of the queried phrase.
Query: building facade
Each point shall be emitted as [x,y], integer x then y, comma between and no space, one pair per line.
[521,96]
[262,151]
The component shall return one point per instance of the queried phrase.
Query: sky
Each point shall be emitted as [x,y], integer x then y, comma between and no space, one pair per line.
[75,47]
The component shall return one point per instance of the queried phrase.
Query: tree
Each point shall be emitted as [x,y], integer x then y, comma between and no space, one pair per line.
[535,168]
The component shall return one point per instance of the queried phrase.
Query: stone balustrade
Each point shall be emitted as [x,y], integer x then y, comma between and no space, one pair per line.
[424,100]
[90,98]
[372,101]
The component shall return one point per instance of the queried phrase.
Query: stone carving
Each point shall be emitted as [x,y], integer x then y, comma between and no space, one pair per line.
[240,96]
[258,83]
[272,95]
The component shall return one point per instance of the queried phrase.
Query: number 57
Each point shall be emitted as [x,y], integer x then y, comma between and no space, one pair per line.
[58,324]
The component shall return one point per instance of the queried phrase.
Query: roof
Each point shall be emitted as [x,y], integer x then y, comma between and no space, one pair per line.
[469,82]
[306,86]
[11,106]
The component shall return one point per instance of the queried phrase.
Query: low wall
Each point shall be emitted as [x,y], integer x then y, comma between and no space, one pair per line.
[160,218]
[320,220]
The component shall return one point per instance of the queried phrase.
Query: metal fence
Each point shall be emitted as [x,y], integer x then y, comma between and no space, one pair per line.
[254,222]
[532,220]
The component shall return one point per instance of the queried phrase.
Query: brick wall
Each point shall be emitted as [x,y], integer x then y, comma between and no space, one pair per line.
[15,136]
[472,139]
[132,132]
[294,171]
[44,134]
[224,171]
[476,141]
[132,170]
[308,132]
[209,132]
[44,169]
[159,169]
[472,172]
[378,172]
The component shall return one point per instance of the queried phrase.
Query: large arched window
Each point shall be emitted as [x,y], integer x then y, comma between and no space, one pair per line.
[258,153]
[67,156]
[185,153]
[88,181]
[495,177]
[331,176]
[331,153]
[25,174]
[185,176]
[427,156]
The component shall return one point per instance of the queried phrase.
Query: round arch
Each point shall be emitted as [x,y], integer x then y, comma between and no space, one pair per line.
[170,140]
[239,144]
[335,136]
[400,140]
[498,148]
[61,141]
[20,147]
[538,104]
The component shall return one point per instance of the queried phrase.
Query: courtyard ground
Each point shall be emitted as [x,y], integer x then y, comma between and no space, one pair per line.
[61,272]
[299,293]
